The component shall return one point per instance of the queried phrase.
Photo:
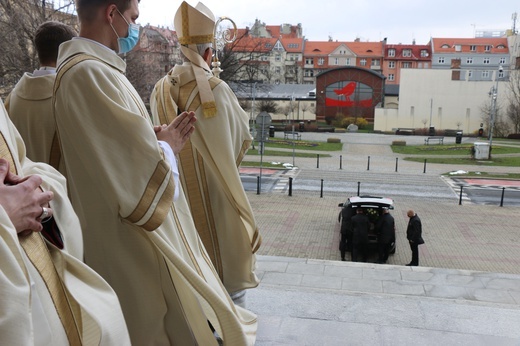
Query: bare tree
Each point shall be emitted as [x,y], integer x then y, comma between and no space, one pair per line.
[513,109]
[501,126]
[268,106]
[18,22]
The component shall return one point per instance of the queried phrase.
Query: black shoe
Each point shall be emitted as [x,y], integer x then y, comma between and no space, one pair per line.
[343,259]
[409,265]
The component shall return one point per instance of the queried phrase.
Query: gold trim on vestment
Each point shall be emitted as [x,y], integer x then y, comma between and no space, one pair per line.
[162,208]
[5,153]
[197,39]
[156,180]
[243,151]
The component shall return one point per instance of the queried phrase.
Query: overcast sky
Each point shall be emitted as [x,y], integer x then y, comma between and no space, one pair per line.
[399,20]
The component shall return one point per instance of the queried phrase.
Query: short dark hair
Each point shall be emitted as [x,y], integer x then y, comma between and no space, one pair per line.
[86,8]
[48,38]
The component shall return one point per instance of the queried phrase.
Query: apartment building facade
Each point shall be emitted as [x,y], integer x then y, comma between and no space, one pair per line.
[477,58]
[403,56]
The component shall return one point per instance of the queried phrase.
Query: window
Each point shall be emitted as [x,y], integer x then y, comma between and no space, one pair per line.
[321,61]
[500,74]
[277,57]
[424,53]
[473,48]
[458,48]
[485,74]
[336,61]
[502,61]
[391,64]
[441,60]
[277,70]
[445,46]
[293,45]
[363,62]
[268,45]
[347,61]
[486,61]
[309,61]
[391,52]
[470,74]
[278,46]
[487,48]
[265,58]
[391,77]
[375,62]
[469,60]
[309,73]
[407,53]
[406,65]
[501,46]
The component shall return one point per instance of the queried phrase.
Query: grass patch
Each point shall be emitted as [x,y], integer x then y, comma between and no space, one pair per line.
[303,145]
[499,161]
[284,153]
[485,175]
[448,149]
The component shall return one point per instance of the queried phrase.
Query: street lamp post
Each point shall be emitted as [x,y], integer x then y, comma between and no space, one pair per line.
[493,93]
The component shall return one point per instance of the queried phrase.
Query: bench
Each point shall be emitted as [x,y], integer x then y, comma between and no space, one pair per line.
[294,135]
[405,131]
[440,139]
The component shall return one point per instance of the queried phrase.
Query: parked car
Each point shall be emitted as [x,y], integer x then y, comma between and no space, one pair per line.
[373,207]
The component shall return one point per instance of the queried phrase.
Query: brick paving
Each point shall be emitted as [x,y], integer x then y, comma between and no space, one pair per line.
[472,237]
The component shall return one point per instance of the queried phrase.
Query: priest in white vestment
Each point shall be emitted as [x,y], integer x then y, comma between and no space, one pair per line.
[122,178]
[209,162]
[29,103]
[48,296]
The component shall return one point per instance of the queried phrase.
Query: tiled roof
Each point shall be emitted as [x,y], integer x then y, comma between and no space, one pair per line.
[361,49]
[292,45]
[415,51]
[447,45]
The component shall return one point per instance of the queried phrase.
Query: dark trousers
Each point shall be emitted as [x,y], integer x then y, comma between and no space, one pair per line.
[383,249]
[360,252]
[415,254]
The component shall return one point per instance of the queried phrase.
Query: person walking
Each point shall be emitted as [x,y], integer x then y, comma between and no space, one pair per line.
[360,225]
[414,236]
[386,235]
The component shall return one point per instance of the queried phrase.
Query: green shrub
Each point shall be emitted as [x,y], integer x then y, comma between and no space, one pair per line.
[401,143]
[333,140]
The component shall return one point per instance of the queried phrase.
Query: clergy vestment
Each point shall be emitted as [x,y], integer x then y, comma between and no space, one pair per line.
[47,295]
[122,188]
[209,172]
[30,108]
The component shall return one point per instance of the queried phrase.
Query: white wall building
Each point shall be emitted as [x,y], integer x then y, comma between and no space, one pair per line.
[457,104]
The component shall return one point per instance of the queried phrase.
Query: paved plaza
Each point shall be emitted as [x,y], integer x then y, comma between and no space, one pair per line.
[465,292]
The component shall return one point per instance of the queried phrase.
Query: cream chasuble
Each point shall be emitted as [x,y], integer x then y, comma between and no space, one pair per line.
[47,296]
[30,107]
[209,172]
[121,186]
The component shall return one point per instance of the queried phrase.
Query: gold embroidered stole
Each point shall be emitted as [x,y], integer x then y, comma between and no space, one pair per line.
[38,253]
[192,168]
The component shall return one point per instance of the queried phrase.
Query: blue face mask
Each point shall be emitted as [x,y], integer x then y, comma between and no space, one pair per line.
[126,44]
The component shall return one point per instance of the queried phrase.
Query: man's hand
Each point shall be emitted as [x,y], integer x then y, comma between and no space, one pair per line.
[177,133]
[22,199]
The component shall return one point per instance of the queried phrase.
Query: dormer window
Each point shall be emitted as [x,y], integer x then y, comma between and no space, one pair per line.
[445,46]
[501,46]
[487,48]
[407,52]
[391,52]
